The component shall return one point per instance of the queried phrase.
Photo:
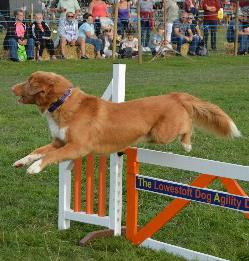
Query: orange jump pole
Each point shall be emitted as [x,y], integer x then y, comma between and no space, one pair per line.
[132,193]
[89,184]
[77,184]
[102,187]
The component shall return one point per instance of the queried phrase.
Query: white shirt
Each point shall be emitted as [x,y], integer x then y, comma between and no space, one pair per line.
[69,5]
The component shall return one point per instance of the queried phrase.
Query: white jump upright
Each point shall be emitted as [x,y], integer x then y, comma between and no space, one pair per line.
[115,92]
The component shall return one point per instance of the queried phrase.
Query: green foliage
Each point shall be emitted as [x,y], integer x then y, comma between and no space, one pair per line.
[28,215]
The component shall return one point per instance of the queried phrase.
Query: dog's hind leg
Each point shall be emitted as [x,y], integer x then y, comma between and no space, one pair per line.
[186,141]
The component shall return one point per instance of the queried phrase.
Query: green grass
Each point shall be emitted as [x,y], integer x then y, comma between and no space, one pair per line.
[28,204]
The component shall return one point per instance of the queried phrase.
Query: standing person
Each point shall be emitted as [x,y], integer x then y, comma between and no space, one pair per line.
[65,6]
[42,35]
[211,8]
[172,15]
[190,6]
[87,35]
[98,9]
[68,32]
[147,22]
[123,16]
[18,35]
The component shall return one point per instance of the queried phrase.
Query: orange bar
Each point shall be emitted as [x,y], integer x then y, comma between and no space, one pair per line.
[102,187]
[77,184]
[232,186]
[89,184]
[132,193]
[169,212]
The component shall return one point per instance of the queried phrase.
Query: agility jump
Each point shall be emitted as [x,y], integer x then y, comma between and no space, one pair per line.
[112,220]
[235,199]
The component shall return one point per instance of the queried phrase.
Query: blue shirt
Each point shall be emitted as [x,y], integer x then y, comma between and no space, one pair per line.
[86,27]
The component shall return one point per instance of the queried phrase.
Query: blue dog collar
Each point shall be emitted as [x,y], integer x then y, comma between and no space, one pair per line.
[60,101]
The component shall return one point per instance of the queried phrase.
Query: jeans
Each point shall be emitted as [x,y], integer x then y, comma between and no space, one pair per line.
[97,43]
[212,26]
[145,32]
[13,46]
[122,26]
[244,43]
[180,40]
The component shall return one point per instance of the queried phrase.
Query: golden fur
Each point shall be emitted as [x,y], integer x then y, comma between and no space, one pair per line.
[87,124]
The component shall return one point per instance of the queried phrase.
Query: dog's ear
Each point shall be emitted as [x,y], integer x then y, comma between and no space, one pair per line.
[40,82]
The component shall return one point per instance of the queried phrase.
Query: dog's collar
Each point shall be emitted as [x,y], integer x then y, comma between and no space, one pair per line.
[60,101]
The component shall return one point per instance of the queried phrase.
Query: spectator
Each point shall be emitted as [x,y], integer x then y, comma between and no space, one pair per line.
[200,46]
[107,43]
[157,43]
[66,6]
[211,8]
[147,22]
[129,46]
[123,16]
[18,35]
[42,36]
[87,35]
[68,32]
[182,34]
[190,6]
[98,9]
[243,33]
[172,16]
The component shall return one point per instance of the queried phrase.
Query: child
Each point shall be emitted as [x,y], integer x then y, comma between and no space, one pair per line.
[107,43]
[42,35]
[157,43]
[129,46]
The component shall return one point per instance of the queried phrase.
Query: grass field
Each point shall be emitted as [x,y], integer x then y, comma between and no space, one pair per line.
[28,204]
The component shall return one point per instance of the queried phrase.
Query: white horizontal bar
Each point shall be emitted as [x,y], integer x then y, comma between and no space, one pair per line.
[87,218]
[204,166]
[180,251]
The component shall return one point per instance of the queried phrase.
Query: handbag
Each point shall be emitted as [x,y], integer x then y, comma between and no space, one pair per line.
[21,53]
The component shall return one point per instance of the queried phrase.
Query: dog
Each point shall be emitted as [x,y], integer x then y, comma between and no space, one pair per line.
[81,124]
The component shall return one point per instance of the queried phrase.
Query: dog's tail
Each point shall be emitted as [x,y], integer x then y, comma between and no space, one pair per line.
[209,116]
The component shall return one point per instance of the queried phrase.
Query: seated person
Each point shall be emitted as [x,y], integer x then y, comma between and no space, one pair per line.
[18,34]
[129,46]
[182,34]
[107,43]
[157,43]
[87,35]
[243,33]
[68,32]
[201,49]
[42,36]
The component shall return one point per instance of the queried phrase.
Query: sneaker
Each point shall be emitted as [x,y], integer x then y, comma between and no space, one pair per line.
[144,49]
[39,59]
[83,57]
[53,57]
[192,53]
[168,46]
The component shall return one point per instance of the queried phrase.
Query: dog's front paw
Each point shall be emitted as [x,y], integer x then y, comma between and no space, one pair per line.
[35,167]
[26,160]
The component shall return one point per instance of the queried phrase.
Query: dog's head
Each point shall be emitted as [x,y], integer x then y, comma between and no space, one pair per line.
[41,88]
